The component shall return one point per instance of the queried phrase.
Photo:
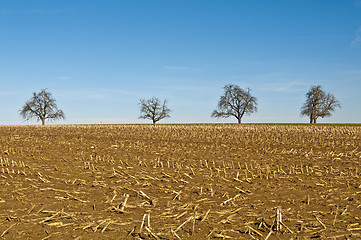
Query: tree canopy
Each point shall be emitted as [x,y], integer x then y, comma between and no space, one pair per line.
[235,102]
[153,109]
[41,106]
[319,104]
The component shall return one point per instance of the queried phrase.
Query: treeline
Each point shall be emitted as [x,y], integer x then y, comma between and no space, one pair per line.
[235,102]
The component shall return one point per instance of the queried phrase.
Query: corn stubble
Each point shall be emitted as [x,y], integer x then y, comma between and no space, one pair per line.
[180,182]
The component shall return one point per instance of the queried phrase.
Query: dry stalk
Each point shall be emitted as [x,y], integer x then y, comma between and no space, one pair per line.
[318,220]
[188,175]
[146,196]
[269,234]
[287,227]
[96,228]
[219,235]
[254,230]
[230,199]
[47,237]
[334,221]
[88,226]
[40,210]
[151,233]
[343,212]
[205,215]
[143,224]
[115,195]
[181,215]
[76,198]
[194,221]
[51,217]
[175,234]
[210,234]
[263,224]
[278,219]
[106,226]
[124,203]
[177,195]
[149,220]
[186,221]
[32,208]
[7,230]
[131,232]
[237,210]
[249,233]
[354,229]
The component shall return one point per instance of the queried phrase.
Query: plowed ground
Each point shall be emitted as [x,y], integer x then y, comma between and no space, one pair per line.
[180,182]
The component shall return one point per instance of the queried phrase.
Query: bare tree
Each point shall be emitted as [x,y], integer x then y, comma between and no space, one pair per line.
[153,109]
[41,106]
[235,102]
[319,104]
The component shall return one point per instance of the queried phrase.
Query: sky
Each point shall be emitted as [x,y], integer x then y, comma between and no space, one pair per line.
[98,58]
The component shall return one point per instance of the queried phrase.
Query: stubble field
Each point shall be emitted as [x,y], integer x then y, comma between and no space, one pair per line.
[180,182]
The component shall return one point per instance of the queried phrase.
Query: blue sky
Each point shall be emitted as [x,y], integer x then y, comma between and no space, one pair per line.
[98,58]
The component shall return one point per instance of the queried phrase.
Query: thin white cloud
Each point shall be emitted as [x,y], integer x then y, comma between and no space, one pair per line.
[286,87]
[350,72]
[178,68]
[4,93]
[97,94]
[184,88]
[62,78]
[81,94]
[105,90]
[357,41]
[311,37]
[258,77]
[290,87]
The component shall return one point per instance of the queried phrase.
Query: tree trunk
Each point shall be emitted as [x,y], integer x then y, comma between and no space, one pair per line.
[43,121]
[239,120]
[313,119]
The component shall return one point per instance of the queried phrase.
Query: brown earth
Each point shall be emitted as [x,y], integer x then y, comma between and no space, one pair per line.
[180,182]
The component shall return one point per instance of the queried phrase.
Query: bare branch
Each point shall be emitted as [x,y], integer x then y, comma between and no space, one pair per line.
[319,104]
[235,102]
[153,109]
[41,106]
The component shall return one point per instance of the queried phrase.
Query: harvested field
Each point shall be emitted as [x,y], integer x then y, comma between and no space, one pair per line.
[180,182]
